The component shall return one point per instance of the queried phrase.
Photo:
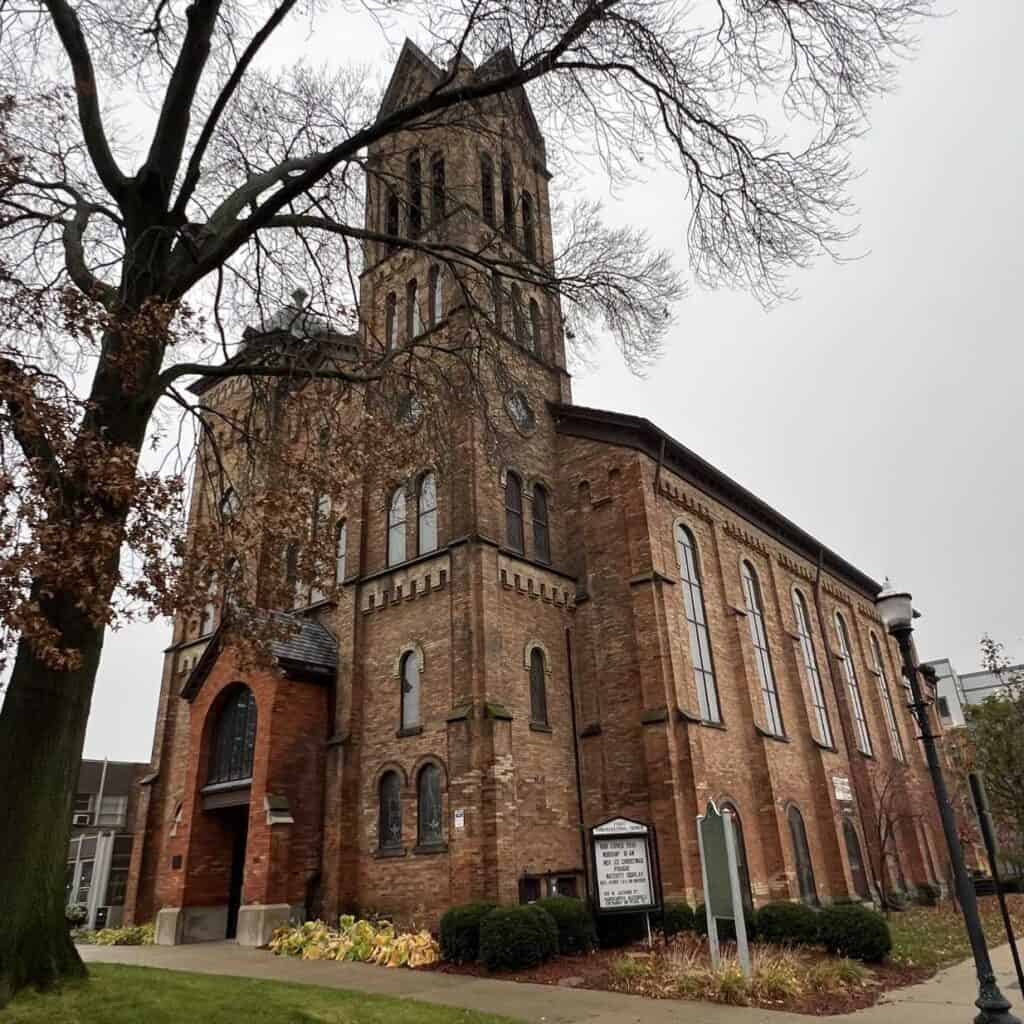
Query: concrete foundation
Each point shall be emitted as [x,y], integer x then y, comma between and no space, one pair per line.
[256,922]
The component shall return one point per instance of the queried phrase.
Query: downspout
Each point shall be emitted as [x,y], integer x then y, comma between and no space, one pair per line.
[576,760]
[843,725]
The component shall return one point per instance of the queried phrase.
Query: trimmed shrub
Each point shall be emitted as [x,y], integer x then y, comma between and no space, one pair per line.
[576,931]
[855,931]
[515,937]
[677,917]
[788,924]
[726,927]
[460,931]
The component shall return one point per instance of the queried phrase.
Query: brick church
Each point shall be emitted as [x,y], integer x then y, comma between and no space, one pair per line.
[600,623]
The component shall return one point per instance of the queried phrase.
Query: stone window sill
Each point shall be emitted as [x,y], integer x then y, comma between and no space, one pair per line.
[430,848]
[410,730]
[778,737]
[540,727]
[713,725]
[386,852]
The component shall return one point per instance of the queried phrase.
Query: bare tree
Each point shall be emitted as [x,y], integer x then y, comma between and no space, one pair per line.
[121,267]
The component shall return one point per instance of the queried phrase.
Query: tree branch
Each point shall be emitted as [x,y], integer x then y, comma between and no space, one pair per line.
[74,259]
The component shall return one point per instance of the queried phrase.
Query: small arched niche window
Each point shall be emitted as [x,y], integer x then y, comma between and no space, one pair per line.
[391,320]
[802,857]
[487,189]
[208,618]
[389,826]
[529,230]
[536,328]
[396,526]
[508,202]
[391,219]
[895,740]
[413,323]
[538,688]
[541,534]
[340,550]
[429,807]
[856,860]
[514,512]
[497,301]
[426,515]
[438,191]
[230,504]
[291,573]
[762,655]
[742,867]
[436,283]
[234,738]
[415,196]
[232,581]
[810,659]
[409,678]
[860,722]
[697,623]
[518,317]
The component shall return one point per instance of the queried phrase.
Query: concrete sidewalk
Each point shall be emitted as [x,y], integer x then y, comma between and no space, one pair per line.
[945,999]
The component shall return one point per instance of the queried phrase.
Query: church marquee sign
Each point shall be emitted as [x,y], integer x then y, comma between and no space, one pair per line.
[625,863]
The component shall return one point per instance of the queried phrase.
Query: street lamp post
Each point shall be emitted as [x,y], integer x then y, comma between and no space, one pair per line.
[896,611]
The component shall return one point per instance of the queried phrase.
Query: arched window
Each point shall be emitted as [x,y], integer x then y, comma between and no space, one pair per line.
[436,285]
[856,860]
[391,219]
[429,807]
[487,189]
[514,512]
[340,550]
[541,535]
[497,301]
[518,319]
[802,857]
[208,618]
[321,517]
[817,693]
[234,738]
[389,827]
[529,235]
[438,192]
[426,515]
[538,688]
[232,581]
[759,638]
[413,323]
[697,621]
[742,867]
[391,320]
[409,671]
[415,196]
[860,723]
[535,328]
[508,203]
[291,573]
[887,707]
[396,526]
[230,504]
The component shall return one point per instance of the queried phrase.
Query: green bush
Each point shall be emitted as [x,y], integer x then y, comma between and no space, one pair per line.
[726,927]
[576,931]
[127,935]
[854,931]
[677,917]
[788,924]
[460,931]
[515,937]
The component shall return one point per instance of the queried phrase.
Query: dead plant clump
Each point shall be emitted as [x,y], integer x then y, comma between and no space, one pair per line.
[681,968]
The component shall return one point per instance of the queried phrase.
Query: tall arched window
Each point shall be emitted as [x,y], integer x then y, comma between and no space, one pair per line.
[426,515]
[208,618]
[391,219]
[429,807]
[508,202]
[514,512]
[518,318]
[487,189]
[535,328]
[538,688]
[529,234]
[436,285]
[340,550]
[413,323]
[860,723]
[391,320]
[887,707]
[389,827]
[409,672]
[541,534]
[802,857]
[697,621]
[817,693]
[396,526]
[497,305]
[438,192]
[232,581]
[234,738]
[856,860]
[759,638]
[743,867]
[230,504]
[415,196]
[291,573]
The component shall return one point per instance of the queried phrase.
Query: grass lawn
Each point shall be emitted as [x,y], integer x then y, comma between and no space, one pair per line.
[934,937]
[116,994]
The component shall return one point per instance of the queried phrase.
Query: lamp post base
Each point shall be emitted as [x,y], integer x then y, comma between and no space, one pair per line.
[993,1005]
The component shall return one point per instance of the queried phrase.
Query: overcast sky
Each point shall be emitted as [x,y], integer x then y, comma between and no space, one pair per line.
[881,410]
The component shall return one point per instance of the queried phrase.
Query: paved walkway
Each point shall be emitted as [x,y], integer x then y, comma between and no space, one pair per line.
[945,999]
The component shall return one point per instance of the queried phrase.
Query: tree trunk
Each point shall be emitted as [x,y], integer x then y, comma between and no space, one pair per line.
[42,731]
